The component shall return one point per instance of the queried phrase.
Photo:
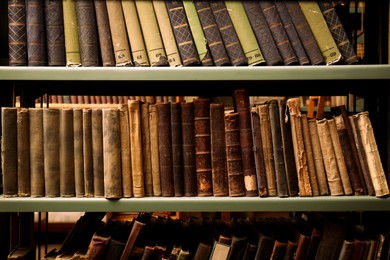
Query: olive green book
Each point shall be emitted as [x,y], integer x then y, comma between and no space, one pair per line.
[72,45]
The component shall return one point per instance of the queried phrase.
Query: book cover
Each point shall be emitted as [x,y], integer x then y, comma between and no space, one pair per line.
[36,37]
[154,153]
[17,33]
[72,44]
[23,152]
[127,181]
[78,152]
[97,152]
[146,152]
[88,153]
[177,149]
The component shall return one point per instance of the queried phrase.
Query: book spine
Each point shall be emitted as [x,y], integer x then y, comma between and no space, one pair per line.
[17,33]
[97,152]
[78,152]
[88,153]
[35,29]
[23,152]
[111,153]
[146,152]
[155,162]
[177,149]
[72,45]
[127,183]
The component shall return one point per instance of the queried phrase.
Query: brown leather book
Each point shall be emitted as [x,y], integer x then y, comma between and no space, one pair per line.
[154,153]
[17,33]
[23,152]
[88,154]
[177,149]
[302,246]
[135,232]
[35,29]
[146,152]
[78,152]
[241,105]
[218,150]
[127,181]
[99,244]
[97,152]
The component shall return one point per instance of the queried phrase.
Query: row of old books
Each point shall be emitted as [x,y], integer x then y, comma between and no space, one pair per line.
[176,33]
[193,148]
[148,236]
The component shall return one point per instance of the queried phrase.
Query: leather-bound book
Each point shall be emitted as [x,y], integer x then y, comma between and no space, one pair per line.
[97,152]
[127,181]
[98,245]
[346,249]
[17,33]
[165,149]
[78,152]
[203,146]
[212,33]
[279,250]
[302,246]
[135,232]
[36,38]
[241,104]
[182,32]
[146,152]
[188,142]
[218,150]
[177,149]
[88,153]
[72,43]
[262,32]
[154,153]
[23,152]
[233,155]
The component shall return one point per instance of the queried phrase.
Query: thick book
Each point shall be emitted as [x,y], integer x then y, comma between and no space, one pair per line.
[23,152]
[17,33]
[211,31]
[127,181]
[182,32]
[154,153]
[78,152]
[99,244]
[35,29]
[146,152]
[88,153]
[54,32]
[135,232]
[97,152]
[177,149]
[72,44]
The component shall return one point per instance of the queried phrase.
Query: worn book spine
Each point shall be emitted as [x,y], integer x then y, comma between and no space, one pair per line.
[146,152]
[35,29]
[78,152]
[329,157]
[54,26]
[127,181]
[245,33]
[135,131]
[135,232]
[218,150]
[228,33]
[233,155]
[151,32]
[154,154]
[337,30]
[17,33]
[242,107]
[262,33]
[213,36]
[97,152]
[51,138]
[305,33]
[181,30]
[203,146]
[72,44]
[165,149]
[111,153]
[36,152]
[278,32]
[88,34]
[302,246]
[188,141]
[177,149]
[23,152]
[258,153]
[305,190]
[120,42]
[197,33]
[134,34]
[98,245]
[88,156]
[167,35]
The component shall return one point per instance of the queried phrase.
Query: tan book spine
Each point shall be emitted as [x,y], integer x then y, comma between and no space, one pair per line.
[154,154]
[151,32]
[134,33]
[97,152]
[127,181]
[23,152]
[245,33]
[88,153]
[146,152]
[72,46]
[120,43]
[167,35]
[78,152]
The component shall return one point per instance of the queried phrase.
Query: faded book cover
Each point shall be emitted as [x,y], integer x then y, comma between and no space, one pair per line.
[23,152]
[127,181]
[88,153]
[97,152]
[78,152]
[36,37]
[146,152]
[154,153]
[72,44]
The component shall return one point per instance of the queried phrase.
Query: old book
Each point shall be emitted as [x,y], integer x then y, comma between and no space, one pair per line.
[321,32]
[135,130]
[72,44]
[203,251]
[127,181]
[146,152]
[151,32]
[36,152]
[17,33]
[51,139]
[23,152]
[35,29]
[88,153]
[329,157]
[245,33]
[371,151]
[228,34]
[154,153]
[88,34]
[241,105]
[99,244]
[218,150]
[262,32]
[293,104]
[219,251]
[279,250]
[97,152]
[292,33]
[197,33]
[346,249]
[304,32]
[78,152]
[134,34]
[278,32]
[167,35]
[165,149]
[177,149]
[211,31]
[181,30]
[337,30]
[54,32]
[188,142]
[120,43]
[135,232]
[233,155]
[104,34]
[302,246]
[203,146]
[258,153]
[265,245]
